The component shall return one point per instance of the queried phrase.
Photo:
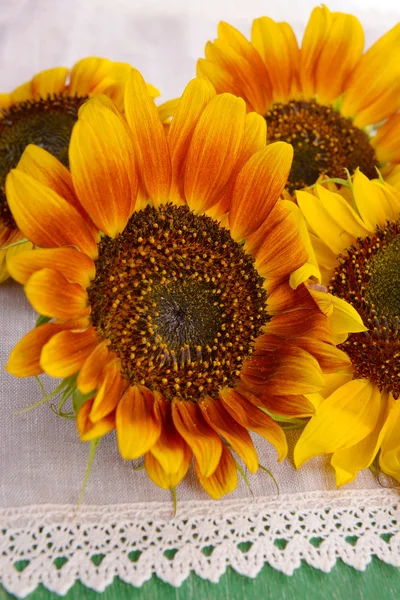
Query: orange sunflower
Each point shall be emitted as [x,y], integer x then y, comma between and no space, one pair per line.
[177,322]
[357,245]
[43,111]
[323,98]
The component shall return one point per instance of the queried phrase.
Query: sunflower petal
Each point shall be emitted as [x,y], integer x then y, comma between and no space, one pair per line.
[149,138]
[386,141]
[195,98]
[87,74]
[138,428]
[258,187]
[52,295]
[24,360]
[90,374]
[90,431]
[49,82]
[44,217]
[214,151]
[170,450]
[345,418]
[165,478]
[382,96]
[76,266]
[348,461]
[224,478]
[109,392]
[278,48]
[64,354]
[102,163]
[237,436]
[202,439]
[250,417]
[389,459]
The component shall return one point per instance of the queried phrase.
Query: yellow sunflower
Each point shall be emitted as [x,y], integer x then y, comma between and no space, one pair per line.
[357,245]
[323,98]
[178,321]
[43,111]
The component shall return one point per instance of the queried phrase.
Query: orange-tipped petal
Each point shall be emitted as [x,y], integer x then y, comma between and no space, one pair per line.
[278,368]
[109,392]
[138,427]
[332,41]
[214,151]
[250,417]
[45,168]
[90,431]
[386,141]
[44,217]
[202,439]
[195,98]
[165,478]
[24,360]
[149,138]
[52,295]
[258,187]
[373,88]
[224,479]
[76,266]
[278,48]
[236,435]
[170,450]
[66,352]
[90,374]
[102,165]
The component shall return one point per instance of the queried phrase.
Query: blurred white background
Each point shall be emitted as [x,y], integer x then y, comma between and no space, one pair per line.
[161,38]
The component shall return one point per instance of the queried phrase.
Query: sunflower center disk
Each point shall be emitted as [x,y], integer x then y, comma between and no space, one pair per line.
[369,278]
[323,141]
[47,123]
[180,302]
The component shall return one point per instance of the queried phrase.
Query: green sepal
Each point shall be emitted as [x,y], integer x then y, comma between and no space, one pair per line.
[42,320]
[79,399]
[243,474]
[92,452]
[285,422]
[14,244]
[271,475]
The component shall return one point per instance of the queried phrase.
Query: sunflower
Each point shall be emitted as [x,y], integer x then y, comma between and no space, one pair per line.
[323,98]
[357,244]
[43,111]
[178,320]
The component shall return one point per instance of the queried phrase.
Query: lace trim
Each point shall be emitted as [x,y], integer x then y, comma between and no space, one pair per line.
[54,546]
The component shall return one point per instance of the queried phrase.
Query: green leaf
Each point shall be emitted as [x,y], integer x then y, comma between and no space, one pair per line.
[42,320]
[79,399]
[290,423]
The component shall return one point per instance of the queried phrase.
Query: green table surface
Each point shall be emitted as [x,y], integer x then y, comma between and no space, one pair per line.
[379,581]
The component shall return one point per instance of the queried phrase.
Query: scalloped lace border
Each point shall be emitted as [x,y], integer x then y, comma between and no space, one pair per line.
[55,546]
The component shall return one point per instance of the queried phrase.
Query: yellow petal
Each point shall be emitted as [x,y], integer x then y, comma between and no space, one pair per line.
[52,295]
[149,138]
[49,82]
[373,88]
[375,205]
[44,217]
[102,165]
[90,431]
[202,439]
[258,187]
[167,479]
[195,98]
[214,151]
[349,461]
[137,425]
[224,479]
[342,420]
[64,354]
[389,459]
